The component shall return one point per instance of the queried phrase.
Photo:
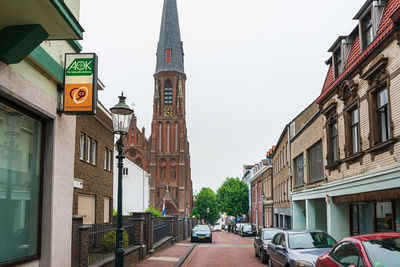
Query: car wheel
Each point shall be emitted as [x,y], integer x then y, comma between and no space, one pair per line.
[264,258]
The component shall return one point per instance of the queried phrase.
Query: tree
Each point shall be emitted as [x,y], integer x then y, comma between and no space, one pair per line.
[233,197]
[207,199]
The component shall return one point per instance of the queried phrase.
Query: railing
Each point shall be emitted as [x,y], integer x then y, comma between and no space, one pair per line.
[160,230]
[102,239]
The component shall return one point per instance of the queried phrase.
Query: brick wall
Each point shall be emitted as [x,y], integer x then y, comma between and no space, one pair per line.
[280,173]
[96,180]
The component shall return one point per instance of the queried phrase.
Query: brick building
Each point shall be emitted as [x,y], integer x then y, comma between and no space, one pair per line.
[281,182]
[267,193]
[360,103]
[256,208]
[166,154]
[93,169]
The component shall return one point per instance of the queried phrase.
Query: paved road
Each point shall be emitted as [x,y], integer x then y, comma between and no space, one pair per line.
[226,250]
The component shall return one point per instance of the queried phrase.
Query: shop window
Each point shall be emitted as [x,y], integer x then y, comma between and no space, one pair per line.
[362,217]
[397,215]
[20,181]
[384,217]
[315,164]
[299,170]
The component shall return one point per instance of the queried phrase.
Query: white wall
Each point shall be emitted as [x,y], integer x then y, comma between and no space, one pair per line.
[135,188]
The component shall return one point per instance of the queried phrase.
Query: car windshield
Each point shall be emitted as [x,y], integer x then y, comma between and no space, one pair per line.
[202,227]
[383,252]
[269,234]
[310,240]
[246,227]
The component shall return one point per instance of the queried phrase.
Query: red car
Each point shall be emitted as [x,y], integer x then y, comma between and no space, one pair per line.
[371,250]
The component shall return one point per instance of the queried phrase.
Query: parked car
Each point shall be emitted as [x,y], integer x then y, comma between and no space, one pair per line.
[217,227]
[248,230]
[236,228]
[201,233]
[298,248]
[371,250]
[240,228]
[263,238]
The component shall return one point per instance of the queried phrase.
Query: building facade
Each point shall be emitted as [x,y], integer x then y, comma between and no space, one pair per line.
[256,208]
[282,182]
[36,144]
[361,128]
[93,170]
[135,184]
[267,193]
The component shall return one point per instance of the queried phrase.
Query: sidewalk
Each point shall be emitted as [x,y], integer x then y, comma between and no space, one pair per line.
[168,257]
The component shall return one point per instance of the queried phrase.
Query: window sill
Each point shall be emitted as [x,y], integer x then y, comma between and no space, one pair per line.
[316,181]
[354,158]
[333,165]
[382,147]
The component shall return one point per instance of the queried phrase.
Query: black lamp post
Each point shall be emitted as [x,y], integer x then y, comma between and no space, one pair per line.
[121,116]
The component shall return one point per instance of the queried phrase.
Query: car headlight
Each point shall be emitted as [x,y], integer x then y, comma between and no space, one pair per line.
[265,247]
[194,234]
[303,264]
[207,235]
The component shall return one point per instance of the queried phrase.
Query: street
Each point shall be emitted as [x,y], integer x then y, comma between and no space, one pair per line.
[226,249]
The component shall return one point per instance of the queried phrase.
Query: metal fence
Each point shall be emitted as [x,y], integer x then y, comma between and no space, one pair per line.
[160,230]
[102,239]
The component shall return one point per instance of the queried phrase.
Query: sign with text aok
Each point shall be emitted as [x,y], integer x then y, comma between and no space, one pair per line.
[80,84]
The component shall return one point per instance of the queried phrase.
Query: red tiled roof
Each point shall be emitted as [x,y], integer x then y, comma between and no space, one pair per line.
[356,55]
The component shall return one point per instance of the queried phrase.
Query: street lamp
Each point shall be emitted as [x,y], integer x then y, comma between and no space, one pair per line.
[121,116]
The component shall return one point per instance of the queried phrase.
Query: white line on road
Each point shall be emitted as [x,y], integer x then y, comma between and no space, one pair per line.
[164,259]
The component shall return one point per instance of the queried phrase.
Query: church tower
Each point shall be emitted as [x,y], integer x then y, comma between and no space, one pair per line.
[169,159]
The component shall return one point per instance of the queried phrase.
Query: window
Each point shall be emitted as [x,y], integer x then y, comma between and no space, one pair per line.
[355,133]
[383,115]
[159,137]
[339,64]
[106,209]
[168,55]
[334,142]
[367,30]
[176,136]
[94,152]
[347,254]
[82,147]
[110,157]
[125,171]
[315,165]
[20,174]
[105,158]
[168,93]
[299,170]
[167,137]
[88,142]
[384,218]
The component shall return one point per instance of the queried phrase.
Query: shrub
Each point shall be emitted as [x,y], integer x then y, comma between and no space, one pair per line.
[155,213]
[108,241]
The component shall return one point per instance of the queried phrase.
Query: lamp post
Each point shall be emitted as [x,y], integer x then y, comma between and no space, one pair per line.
[121,116]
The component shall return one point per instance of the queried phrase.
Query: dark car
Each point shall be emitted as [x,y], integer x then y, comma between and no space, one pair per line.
[263,238]
[201,233]
[372,250]
[298,248]
[248,230]
[240,228]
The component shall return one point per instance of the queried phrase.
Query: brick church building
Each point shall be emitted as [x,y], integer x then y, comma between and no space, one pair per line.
[166,153]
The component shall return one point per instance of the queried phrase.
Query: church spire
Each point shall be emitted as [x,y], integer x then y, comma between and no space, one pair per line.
[170,48]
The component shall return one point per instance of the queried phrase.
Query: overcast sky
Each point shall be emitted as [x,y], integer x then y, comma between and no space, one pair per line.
[251,65]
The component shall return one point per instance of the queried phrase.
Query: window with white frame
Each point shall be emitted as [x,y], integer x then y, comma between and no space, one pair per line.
[82,147]
[88,148]
[94,152]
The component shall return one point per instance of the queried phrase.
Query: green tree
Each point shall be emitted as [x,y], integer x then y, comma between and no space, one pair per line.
[233,197]
[206,205]
[155,213]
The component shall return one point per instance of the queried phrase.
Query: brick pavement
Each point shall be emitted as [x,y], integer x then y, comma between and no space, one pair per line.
[226,250]
[167,257]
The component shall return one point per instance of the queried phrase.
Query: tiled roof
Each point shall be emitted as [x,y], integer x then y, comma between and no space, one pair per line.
[356,55]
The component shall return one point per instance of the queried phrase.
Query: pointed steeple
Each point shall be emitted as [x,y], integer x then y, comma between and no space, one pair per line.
[170,48]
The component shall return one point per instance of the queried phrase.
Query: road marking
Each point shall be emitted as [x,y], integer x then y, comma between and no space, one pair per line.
[164,259]
[225,246]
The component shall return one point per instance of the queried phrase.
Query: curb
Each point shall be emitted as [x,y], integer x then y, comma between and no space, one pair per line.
[184,257]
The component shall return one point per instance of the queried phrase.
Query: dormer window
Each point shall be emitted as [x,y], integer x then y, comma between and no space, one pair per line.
[367,30]
[339,64]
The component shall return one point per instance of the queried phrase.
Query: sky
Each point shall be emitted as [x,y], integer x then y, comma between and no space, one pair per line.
[251,67]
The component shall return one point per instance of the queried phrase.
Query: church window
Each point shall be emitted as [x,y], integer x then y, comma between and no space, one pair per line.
[167,137]
[176,136]
[168,55]
[159,138]
[168,92]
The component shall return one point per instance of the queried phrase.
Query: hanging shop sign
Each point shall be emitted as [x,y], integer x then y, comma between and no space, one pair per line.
[80,84]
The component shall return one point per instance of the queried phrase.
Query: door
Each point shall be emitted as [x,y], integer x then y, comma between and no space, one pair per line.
[272,249]
[86,208]
[281,254]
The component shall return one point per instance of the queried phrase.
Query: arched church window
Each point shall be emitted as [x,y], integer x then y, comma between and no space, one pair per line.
[168,92]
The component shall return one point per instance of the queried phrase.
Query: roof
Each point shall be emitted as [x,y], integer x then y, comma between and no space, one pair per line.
[373,236]
[170,38]
[357,55]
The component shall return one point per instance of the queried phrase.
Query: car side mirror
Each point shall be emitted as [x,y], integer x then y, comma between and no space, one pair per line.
[280,247]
